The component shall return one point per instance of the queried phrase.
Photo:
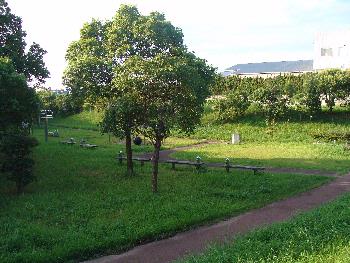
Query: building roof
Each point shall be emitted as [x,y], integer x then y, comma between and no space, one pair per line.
[270,67]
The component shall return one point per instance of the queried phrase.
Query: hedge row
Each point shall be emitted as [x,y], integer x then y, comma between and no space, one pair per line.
[277,95]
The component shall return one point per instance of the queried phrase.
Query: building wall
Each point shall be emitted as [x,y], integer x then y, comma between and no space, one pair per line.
[332,50]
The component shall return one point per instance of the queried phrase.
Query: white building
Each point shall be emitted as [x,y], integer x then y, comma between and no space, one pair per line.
[332,50]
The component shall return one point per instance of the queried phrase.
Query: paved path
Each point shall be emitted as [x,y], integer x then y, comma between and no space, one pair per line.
[195,241]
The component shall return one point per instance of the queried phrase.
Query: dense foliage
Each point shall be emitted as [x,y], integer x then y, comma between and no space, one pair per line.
[139,70]
[17,163]
[277,96]
[27,60]
[18,105]
[20,67]
[61,104]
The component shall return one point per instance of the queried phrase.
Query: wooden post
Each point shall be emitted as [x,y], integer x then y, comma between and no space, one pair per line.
[120,156]
[198,161]
[227,164]
[46,129]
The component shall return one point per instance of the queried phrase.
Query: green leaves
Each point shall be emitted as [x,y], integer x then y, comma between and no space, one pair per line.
[13,46]
[17,101]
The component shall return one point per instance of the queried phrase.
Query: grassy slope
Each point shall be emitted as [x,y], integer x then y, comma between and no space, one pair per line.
[291,144]
[318,236]
[322,235]
[83,205]
[329,156]
[79,125]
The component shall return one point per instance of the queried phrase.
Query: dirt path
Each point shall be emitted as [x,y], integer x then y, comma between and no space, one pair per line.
[197,240]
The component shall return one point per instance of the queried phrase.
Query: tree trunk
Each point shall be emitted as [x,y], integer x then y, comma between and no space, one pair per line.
[155,160]
[130,166]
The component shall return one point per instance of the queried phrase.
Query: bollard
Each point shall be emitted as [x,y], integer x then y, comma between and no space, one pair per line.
[227,164]
[198,161]
[120,156]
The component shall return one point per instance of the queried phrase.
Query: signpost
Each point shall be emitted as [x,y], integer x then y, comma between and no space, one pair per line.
[46,114]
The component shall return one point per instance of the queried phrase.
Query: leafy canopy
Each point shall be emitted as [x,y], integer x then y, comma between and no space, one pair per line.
[12,45]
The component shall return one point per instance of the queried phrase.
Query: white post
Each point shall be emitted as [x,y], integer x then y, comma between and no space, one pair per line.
[235,138]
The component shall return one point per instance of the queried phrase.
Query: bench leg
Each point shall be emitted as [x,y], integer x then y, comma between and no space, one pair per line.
[173,166]
[142,163]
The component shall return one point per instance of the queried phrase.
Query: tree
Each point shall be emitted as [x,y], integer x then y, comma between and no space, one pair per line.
[330,85]
[17,163]
[18,105]
[121,118]
[103,47]
[13,46]
[237,100]
[273,97]
[310,94]
[171,89]
[18,102]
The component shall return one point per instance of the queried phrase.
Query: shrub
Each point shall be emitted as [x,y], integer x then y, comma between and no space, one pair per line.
[16,163]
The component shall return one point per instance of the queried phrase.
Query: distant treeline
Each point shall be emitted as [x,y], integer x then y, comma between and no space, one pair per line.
[276,96]
[61,104]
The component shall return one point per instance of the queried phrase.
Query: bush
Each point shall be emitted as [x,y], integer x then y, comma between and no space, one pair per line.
[16,163]
[235,104]
[277,96]
[332,136]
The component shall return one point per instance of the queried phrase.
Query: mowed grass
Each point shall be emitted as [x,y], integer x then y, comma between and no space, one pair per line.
[85,120]
[324,156]
[322,235]
[291,144]
[83,205]
[291,129]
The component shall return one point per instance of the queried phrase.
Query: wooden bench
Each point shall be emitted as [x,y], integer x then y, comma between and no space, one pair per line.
[244,167]
[88,145]
[70,141]
[85,144]
[140,159]
[198,165]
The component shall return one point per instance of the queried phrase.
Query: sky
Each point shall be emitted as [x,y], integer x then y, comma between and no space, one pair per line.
[224,32]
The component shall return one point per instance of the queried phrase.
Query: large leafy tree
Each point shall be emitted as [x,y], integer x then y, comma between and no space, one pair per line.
[103,47]
[27,60]
[20,66]
[171,89]
[18,104]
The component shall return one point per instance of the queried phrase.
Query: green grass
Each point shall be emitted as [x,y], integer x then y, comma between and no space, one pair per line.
[325,156]
[290,145]
[83,205]
[83,120]
[253,129]
[322,235]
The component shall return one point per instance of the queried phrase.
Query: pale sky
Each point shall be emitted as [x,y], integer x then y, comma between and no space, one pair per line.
[224,32]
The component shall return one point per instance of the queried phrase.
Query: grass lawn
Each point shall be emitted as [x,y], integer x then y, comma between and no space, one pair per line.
[327,156]
[290,145]
[83,205]
[322,235]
